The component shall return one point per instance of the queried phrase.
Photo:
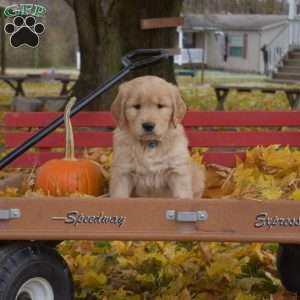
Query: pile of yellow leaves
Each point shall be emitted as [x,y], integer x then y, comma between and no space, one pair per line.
[191,270]
[172,270]
[270,173]
[267,173]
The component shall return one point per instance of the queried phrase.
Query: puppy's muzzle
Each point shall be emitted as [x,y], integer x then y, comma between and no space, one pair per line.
[148,127]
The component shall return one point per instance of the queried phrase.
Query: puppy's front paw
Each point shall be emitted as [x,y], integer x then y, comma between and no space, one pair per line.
[180,184]
[119,193]
[183,195]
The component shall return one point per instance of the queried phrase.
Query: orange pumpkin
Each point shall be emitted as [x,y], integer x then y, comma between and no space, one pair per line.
[60,177]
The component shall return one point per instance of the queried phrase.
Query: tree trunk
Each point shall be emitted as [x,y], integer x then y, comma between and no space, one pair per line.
[108,29]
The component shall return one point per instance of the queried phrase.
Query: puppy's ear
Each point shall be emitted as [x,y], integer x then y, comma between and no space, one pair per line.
[118,107]
[179,107]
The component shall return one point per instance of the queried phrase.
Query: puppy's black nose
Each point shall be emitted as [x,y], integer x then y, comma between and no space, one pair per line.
[148,127]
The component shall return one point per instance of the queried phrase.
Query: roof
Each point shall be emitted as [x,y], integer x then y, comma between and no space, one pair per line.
[231,21]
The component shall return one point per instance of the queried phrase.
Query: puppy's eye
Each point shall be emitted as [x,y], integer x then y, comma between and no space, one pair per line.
[137,106]
[160,106]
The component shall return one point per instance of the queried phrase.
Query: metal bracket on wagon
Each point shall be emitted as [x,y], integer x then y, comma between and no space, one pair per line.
[186,216]
[11,213]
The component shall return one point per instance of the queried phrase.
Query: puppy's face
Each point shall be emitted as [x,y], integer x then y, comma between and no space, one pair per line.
[148,106]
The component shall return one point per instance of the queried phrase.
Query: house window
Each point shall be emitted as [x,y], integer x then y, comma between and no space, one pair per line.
[189,40]
[237,45]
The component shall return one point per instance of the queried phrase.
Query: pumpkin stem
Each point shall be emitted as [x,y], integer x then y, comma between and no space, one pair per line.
[69,152]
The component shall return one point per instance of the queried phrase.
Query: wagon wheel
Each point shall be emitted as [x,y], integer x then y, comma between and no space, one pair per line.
[288,265]
[32,271]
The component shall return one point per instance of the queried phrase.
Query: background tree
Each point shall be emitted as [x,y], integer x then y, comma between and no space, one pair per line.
[107,29]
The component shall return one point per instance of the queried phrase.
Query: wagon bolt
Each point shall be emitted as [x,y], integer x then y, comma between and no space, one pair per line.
[171,214]
[202,215]
[15,213]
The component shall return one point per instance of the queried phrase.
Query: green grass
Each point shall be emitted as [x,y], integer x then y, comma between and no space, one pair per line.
[204,99]
[32,89]
[202,96]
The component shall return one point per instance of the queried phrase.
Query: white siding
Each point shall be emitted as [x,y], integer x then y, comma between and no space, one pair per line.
[250,64]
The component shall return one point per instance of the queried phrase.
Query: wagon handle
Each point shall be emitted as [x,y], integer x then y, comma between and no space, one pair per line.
[130,63]
[142,57]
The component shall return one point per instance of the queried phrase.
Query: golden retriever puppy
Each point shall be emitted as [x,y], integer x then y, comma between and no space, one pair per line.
[150,149]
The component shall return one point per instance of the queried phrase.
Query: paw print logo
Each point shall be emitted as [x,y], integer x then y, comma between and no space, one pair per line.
[24,31]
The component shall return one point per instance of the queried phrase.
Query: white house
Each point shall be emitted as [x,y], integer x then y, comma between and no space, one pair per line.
[235,42]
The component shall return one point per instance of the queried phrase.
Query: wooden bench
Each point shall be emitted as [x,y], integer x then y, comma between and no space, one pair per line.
[222,90]
[16,82]
[214,130]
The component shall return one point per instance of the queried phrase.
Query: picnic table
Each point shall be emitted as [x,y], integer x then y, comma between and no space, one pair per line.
[16,81]
[222,90]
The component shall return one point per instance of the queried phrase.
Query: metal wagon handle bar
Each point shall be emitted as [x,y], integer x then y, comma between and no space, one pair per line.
[134,60]
[140,58]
